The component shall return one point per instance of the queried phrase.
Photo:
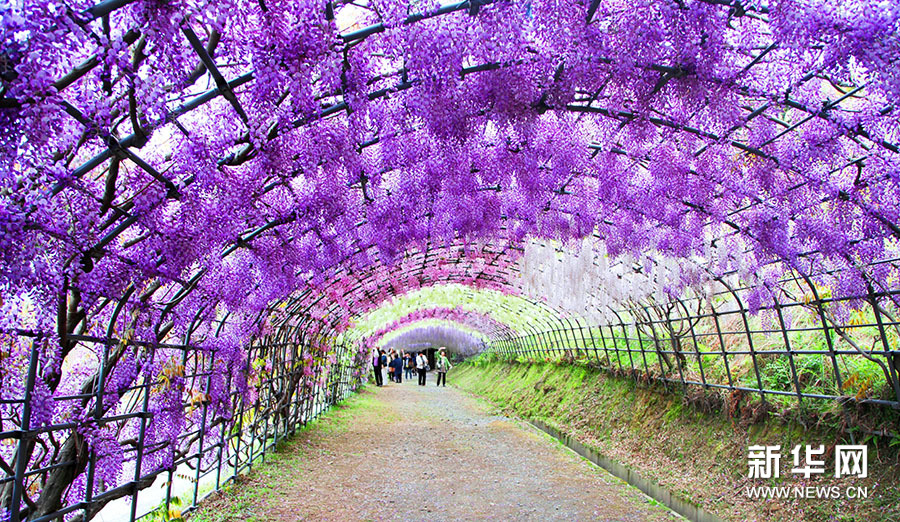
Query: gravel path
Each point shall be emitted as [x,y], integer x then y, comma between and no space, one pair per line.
[405,452]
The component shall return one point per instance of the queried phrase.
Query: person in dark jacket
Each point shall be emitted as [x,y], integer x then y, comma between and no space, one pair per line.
[383,358]
[410,364]
[376,367]
[397,365]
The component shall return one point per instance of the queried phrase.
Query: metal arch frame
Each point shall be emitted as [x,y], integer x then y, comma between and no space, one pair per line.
[774,261]
[182,294]
[506,332]
[379,338]
[544,335]
[888,364]
[525,299]
[496,327]
[223,88]
[374,272]
[813,290]
[362,277]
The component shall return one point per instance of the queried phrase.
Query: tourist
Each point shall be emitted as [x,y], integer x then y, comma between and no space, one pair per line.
[421,365]
[410,365]
[391,369]
[442,365]
[376,367]
[389,364]
[397,367]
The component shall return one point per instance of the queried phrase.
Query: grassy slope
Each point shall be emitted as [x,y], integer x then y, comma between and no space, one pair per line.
[699,456]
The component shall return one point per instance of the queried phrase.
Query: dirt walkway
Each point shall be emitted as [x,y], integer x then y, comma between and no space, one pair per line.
[404,452]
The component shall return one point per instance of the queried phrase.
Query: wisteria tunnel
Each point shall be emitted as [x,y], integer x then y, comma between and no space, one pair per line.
[211,212]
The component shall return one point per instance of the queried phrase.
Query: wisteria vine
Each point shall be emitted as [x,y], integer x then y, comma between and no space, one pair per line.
[202,174]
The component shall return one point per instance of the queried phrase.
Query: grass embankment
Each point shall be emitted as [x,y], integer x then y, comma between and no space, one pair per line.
[695,448]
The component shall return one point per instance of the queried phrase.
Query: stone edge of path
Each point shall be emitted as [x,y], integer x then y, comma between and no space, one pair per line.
[650,487]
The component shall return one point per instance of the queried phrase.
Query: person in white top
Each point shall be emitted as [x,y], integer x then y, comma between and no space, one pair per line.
[421,367]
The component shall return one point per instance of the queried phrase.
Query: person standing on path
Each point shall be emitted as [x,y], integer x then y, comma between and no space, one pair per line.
[376,368]
[408,364]
[397,365]
[442,365]
[389,364]
[421,364]
[383,360]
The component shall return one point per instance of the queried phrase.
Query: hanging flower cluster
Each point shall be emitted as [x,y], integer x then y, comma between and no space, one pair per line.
[469,319]
[424,336]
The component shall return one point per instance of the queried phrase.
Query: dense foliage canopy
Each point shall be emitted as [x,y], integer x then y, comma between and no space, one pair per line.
[208,173]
